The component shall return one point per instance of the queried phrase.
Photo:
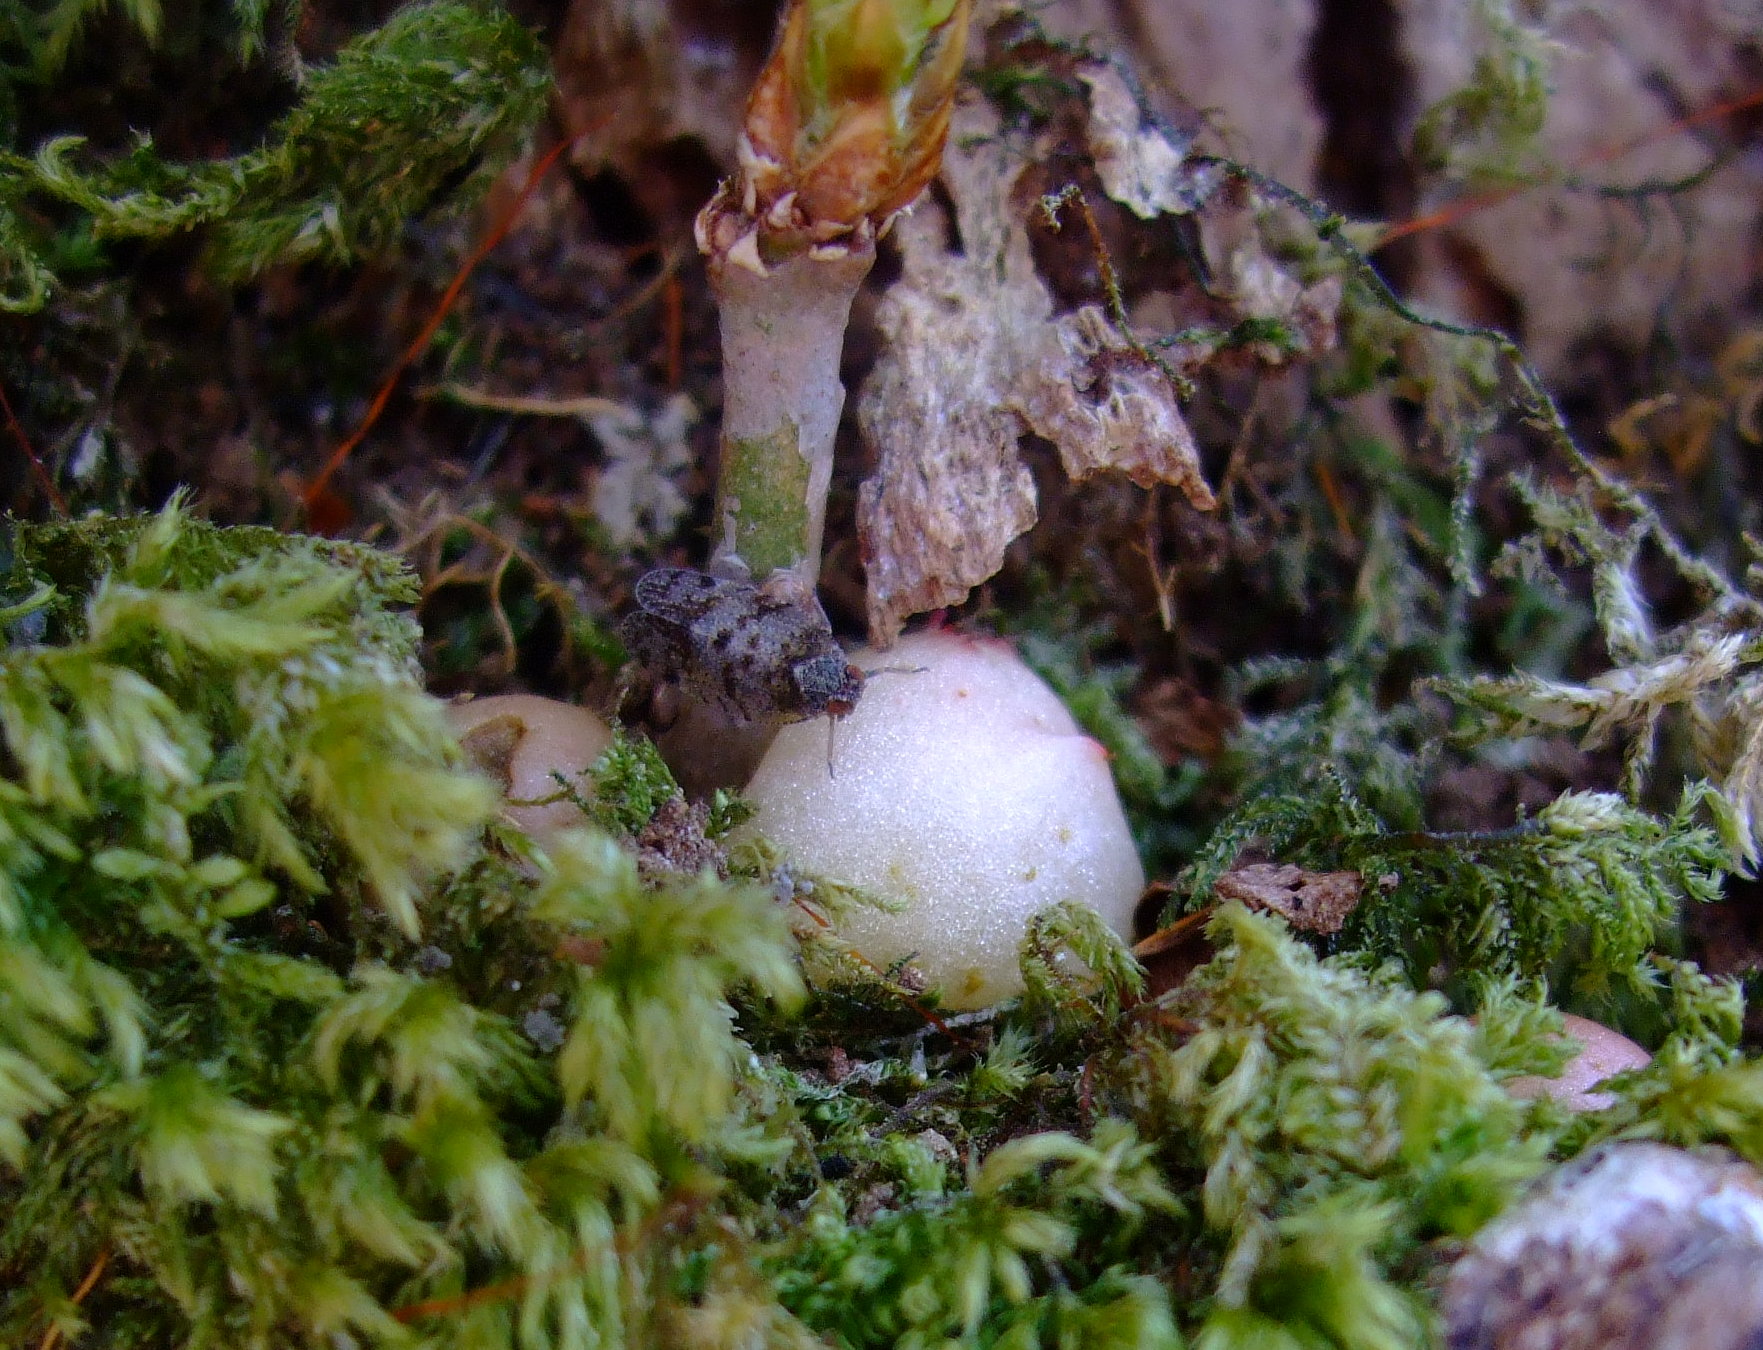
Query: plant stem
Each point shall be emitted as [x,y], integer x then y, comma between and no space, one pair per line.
[782,334]
[844,127]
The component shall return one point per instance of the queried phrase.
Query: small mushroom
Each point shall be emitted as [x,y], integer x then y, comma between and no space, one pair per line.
[961,788]
[524,742]
[1635,1246]
[1603,1054]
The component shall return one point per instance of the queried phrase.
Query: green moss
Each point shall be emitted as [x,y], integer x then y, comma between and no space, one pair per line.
[1580,894]
[1338,1123]
[233,1058]
[631,782]
[441,93]
[293,1047]
[299,1048]
[1488,127]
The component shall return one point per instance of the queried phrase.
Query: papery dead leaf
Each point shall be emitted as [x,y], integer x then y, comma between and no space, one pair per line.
[973,360]
[1314,902]
[1140,164]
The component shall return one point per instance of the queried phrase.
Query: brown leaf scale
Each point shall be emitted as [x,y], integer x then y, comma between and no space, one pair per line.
[1315,902]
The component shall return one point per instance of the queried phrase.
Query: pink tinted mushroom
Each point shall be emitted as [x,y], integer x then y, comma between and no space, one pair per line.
[1603,1054]
[523,741]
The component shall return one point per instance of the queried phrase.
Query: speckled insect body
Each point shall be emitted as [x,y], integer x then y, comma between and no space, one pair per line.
[756,655]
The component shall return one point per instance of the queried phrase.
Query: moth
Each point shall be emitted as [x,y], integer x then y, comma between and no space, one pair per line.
[757,653]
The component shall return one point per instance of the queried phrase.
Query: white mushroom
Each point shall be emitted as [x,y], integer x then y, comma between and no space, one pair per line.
[523,741]
[963,790]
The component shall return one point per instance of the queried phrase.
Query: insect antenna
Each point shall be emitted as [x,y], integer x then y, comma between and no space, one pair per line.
[894,670]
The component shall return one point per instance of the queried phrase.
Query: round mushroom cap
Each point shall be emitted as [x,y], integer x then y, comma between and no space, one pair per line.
[962,789]
[524,742]
[1603,1054]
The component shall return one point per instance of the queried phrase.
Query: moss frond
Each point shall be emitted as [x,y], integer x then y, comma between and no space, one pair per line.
[1487,128]
[1075,968]
[631,782]
[404,118]
[1339,1121]
[651,1040]
[1006,1263]
[1578,894]
[224,1064]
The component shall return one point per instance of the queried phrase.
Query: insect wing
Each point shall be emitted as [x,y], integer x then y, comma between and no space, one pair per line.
[683,627]
[757,655]
[680,596]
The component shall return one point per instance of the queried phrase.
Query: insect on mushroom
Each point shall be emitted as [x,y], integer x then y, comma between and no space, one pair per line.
[760,653]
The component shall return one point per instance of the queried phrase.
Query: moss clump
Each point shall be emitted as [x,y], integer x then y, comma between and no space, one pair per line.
[1580,894]
[1338,1123]
[231,1073]
[297,1048]
[1036,1251]
[440,94]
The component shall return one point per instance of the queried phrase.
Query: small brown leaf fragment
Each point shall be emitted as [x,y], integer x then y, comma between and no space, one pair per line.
[1174,952]
[973,359]
[1314,902]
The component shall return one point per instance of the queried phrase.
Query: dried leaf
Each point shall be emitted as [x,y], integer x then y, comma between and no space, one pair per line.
[1740,365]
[1140,164]
[973,360]
[1182,723]
[1315,902]
[1175,951]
